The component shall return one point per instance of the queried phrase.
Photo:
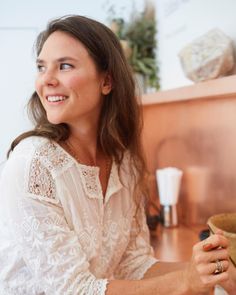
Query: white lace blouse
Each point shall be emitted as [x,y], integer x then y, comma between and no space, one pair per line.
[58,235]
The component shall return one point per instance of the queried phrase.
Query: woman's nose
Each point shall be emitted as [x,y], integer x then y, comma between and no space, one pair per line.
[49,79]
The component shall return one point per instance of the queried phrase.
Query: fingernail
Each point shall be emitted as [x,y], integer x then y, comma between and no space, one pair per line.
[207,247]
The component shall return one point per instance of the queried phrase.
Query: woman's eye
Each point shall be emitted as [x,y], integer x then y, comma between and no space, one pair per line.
[40,68]
[65,66]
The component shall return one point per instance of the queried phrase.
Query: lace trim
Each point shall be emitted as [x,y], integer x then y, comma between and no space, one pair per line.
[48,161]
[86,284]
[54,158]
[100,287]
[41,182]
[97,287]
[90,181]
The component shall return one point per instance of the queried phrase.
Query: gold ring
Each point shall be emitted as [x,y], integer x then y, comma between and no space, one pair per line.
[219,267]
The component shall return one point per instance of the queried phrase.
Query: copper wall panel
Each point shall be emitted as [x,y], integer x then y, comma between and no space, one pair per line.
[198,137]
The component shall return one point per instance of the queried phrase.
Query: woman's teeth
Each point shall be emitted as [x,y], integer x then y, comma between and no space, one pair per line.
[56,98]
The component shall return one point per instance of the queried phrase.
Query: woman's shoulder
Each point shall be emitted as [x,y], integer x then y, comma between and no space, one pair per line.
[27,146]
[22,155]
[34,164]
[37,150]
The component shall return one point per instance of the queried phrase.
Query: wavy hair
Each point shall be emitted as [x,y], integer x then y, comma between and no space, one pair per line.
[120,122]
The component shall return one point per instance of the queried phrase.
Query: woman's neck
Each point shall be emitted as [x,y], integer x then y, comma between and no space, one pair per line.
[83,141]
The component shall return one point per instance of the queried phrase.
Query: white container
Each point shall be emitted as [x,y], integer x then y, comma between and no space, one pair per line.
[168,182]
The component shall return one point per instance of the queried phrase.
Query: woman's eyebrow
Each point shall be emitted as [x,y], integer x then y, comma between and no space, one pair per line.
[61,59]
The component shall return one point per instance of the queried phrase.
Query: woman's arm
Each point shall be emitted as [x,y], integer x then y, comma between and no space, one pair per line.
[161,268]
[171,283]
[196,277]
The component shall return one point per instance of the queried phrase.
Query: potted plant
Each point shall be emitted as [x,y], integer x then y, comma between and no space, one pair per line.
[138,39]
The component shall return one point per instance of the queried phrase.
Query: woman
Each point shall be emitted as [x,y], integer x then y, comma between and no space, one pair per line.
[72,218]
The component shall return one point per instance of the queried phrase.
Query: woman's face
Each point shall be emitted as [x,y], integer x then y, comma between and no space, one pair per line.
[68,82]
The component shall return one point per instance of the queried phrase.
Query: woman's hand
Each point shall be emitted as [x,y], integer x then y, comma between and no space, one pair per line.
[209,265]
[230,285]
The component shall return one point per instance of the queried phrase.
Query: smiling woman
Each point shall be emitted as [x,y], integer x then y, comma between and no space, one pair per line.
[68,83]
[72,192]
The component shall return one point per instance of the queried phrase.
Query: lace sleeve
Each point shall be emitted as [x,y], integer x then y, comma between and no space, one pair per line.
[138,257]
[50,250]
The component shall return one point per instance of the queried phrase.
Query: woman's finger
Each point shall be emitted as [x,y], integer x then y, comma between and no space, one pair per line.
[214,241]
[213,255]
[212,280]
[212,268]
[208,247]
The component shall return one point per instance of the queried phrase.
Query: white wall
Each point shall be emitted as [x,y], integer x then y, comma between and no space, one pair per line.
[180,22]
[20,22]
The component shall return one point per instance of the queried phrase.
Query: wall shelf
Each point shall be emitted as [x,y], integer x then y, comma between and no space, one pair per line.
[217,88]
[193,128]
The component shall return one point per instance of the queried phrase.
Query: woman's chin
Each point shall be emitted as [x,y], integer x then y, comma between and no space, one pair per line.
[54,121]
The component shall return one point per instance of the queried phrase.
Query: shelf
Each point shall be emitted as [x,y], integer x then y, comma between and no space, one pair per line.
[217,88]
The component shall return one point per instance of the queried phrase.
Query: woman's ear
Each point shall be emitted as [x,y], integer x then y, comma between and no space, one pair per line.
[107,84]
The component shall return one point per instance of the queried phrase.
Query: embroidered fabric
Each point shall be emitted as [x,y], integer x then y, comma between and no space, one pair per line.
[53,157]
[138,245]
[90,180]
[56,235]
[40,181]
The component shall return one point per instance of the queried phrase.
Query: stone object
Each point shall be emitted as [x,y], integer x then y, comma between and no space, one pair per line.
[209,56]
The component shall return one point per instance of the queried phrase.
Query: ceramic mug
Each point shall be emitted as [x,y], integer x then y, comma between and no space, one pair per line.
[227,223]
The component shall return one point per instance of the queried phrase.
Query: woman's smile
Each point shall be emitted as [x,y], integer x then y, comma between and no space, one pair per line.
[56,98]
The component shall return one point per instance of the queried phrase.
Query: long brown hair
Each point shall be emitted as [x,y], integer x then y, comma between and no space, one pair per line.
[120,121]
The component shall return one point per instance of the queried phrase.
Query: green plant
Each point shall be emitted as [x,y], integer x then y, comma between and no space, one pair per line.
[140,33]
